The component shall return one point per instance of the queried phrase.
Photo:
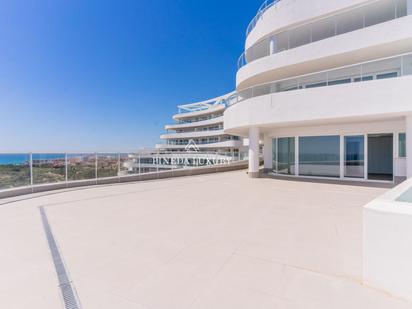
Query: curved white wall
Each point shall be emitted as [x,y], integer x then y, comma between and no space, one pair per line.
[226,144]
[288,13]
[349,102]
[211,110]
[382,40]
[193,134]
[176,126]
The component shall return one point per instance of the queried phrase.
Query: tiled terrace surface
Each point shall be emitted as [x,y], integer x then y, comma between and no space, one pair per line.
[216,241]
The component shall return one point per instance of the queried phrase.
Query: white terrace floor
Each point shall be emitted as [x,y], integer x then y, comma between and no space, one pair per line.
[218,241]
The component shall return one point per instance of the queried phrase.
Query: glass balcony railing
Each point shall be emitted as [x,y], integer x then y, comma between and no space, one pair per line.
[22,170]
[368,71]
[355,19]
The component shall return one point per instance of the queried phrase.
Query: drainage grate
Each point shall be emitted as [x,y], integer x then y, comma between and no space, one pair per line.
[67,289]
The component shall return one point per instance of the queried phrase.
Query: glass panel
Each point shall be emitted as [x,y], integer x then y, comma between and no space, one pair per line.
[407,65]
[380,12]
[323,29]
[281,42]
[344,76]
[274,153]
[314,80]
[387,75]
[355,156]
[401,8]
[49,168]
[261,49]
[261,90]
[286,156]
[299,36]
[383,66]
[245,94]
[350,21]
[14,170]
[319,156]
[402,145]
[128,164]
[286,85]
[81,166]
[107,165]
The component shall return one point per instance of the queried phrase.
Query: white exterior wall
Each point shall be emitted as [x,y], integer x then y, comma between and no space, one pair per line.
[378,99]
[288,13]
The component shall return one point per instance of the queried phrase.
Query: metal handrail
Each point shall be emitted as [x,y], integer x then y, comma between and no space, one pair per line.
[262,9]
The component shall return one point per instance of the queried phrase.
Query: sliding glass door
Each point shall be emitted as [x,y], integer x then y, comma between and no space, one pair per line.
[355,156]
[319,156]
[284,155]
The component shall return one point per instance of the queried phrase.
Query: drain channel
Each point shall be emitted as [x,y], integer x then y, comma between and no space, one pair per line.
[67,289]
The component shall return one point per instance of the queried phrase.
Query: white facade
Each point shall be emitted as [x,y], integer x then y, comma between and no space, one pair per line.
[326,86]
[201,123]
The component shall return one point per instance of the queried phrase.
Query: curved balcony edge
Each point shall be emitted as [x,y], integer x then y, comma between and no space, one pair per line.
[288,13]
[202,123]
[379,41]
[193,134]
[225,144]
[366,101]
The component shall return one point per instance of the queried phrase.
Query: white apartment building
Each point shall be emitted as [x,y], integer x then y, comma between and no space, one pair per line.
[326,86]
[195,139]
[201,123]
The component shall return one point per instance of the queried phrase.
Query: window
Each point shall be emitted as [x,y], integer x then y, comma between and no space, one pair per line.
[387,75]
[402,145]
[339,81]
[364,78]
[319,156]
[285,156]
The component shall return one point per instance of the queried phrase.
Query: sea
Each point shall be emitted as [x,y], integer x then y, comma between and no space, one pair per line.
[22,158]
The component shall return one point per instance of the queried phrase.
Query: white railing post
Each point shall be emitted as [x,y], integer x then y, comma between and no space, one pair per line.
[118,165]
[139,162]
[95,166]
[157,160]
[31,171]
[66,169]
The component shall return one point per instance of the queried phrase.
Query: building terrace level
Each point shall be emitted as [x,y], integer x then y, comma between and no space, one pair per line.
[321,27]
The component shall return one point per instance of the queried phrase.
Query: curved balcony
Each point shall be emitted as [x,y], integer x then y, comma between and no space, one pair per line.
[224,144]
[323,28]
[193,134]
[383,40]
[196,124]
[384,68]
[372,91]
[210,110]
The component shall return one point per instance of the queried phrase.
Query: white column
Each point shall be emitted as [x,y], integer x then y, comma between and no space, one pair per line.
[272,45]
[267,153]
[408,146]
[409,7]
[254,152]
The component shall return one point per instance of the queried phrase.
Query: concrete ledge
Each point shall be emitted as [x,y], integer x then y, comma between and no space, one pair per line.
[123,179]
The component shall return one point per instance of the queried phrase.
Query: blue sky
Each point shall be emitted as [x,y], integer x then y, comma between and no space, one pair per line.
[107,75]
